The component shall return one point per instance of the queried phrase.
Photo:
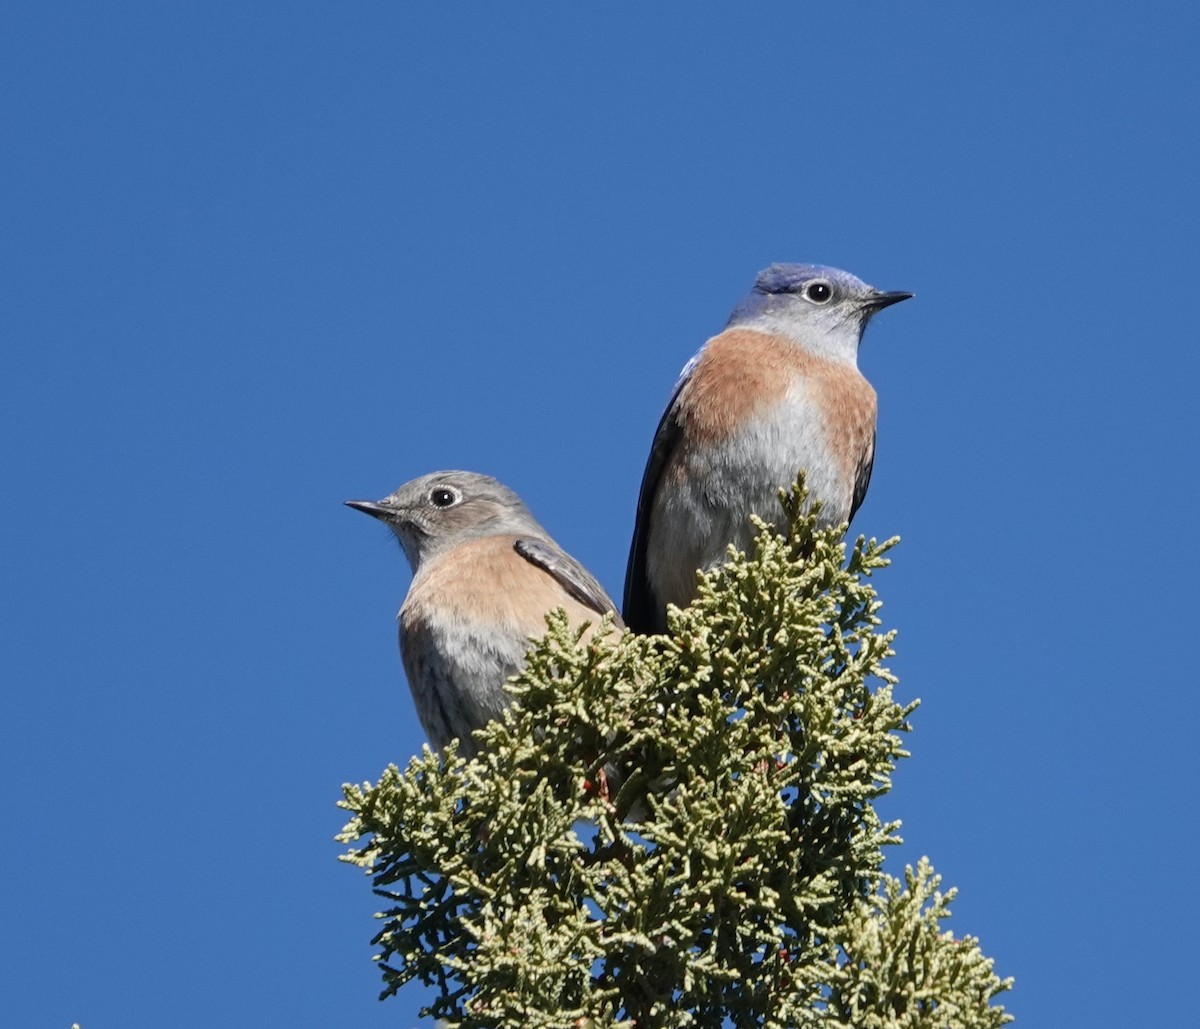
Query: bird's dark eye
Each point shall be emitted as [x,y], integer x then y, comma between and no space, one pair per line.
[818,292]
[443,496]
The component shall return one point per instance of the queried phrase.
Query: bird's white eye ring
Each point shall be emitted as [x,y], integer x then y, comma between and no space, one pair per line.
[818,291]
[444,496]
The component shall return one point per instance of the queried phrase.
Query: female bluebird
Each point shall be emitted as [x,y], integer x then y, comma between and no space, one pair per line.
[777,391]
[485,574]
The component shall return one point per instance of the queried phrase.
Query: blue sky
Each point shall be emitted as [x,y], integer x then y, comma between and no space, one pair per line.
[262,258]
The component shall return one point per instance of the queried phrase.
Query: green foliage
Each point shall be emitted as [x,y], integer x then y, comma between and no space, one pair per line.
[679,830]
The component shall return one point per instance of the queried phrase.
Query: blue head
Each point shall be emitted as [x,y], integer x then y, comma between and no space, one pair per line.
[822,309]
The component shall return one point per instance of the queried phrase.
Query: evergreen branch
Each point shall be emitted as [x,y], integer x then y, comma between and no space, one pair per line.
[679,830]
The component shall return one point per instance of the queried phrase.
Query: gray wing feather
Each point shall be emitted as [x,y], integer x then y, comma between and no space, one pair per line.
[570,574]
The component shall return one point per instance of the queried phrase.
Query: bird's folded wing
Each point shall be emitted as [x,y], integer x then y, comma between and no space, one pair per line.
[862,477]
[639,608]
[570,574]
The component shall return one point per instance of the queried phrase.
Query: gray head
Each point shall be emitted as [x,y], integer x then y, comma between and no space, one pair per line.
[823,309]
[431,514]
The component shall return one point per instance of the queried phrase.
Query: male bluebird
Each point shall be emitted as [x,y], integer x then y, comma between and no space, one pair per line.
[777,391]
[485,574]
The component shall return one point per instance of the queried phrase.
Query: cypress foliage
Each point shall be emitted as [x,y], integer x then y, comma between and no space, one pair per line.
[679,830]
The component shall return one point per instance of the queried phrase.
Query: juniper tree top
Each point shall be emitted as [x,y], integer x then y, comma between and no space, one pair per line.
[733,877]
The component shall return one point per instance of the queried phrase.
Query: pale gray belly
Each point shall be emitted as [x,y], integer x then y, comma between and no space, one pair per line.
[704,503]
[457,674]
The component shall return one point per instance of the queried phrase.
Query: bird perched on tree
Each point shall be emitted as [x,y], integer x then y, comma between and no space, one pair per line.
[485,574]
[777,392]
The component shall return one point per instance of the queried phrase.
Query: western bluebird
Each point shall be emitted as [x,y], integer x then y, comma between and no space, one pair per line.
[485,574]
[777,391]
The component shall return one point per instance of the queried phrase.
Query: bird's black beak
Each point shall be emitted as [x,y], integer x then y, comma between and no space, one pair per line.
[370,507]
[880,299]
